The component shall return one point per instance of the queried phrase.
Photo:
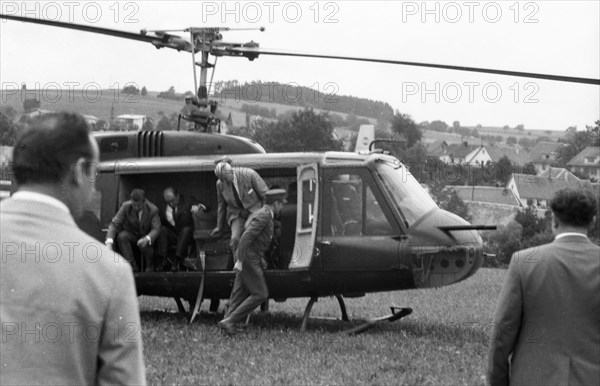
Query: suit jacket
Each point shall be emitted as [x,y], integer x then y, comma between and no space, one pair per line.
[183,217]
[548,317]
[68,304]
[256,238]
[252,191]
[127,219]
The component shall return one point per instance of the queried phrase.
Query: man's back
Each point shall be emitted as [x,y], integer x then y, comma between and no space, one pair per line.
[68,308]
[559,335]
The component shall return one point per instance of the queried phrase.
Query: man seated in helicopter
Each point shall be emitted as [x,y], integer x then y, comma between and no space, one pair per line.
[176,230]
[137,223]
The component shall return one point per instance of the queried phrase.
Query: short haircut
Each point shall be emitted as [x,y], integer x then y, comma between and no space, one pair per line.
[137,195]
[49,147]
[576,207]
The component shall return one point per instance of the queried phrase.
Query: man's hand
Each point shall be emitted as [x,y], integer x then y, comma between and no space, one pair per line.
[237,267]
[215,233]
[143,242]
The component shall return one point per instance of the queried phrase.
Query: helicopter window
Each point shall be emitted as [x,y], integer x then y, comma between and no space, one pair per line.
[410,197]
[376,224]
[355,210]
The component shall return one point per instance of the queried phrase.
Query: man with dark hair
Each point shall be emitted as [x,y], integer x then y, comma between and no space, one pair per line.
[67,303]
[177,228]
[240,192]
[137,222]
[250,288]
[547,322]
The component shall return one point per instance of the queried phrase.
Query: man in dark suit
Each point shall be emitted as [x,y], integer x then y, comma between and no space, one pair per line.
[68,305]
[177,228]
[136,223]
[240,192]
[250,288]
[547,322]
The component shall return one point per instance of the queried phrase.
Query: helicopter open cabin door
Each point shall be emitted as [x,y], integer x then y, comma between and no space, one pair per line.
[306,221]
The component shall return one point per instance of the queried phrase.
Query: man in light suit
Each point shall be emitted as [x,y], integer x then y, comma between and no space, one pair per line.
[250,288]
[137,222]
[242,192]
[68,305]
[547,322]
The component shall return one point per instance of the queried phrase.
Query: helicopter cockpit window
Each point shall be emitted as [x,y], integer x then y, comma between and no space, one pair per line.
[354,209]
[410,197]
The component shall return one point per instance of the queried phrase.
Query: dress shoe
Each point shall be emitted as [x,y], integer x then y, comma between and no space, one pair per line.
[227,327]
[193,264]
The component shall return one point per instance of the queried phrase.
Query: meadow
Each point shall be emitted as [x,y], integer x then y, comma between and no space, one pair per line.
[443,342]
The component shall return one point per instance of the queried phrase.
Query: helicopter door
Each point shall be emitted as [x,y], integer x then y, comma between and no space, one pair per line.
[306,221]
[358,231]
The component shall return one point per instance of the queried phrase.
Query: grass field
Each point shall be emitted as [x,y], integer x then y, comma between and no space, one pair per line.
[443,342]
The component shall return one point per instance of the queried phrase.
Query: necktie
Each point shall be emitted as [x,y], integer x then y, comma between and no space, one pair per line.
[237,196]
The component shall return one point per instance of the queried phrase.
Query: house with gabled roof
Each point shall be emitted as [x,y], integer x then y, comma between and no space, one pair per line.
[539,189]
[489,194]
[587,163]
[544,155]
[457,153]
[437,149]
[488,205]
[485,155]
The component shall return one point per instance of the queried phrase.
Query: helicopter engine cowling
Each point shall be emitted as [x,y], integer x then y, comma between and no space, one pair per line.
[441,258]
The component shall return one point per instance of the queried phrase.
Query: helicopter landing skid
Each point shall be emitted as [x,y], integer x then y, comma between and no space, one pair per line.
[313,300]
[397,314]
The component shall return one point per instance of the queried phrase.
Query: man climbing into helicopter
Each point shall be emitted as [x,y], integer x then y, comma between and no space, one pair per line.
[240,192]
[250,288]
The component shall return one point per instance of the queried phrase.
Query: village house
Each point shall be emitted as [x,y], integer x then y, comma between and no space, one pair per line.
[544,155]
[457,153]
[587,163]
[485,155]
[488,205]
[538,190]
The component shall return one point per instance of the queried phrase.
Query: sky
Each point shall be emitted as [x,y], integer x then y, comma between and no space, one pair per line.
[551,37]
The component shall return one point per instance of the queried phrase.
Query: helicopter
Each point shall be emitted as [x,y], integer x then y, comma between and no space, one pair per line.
[356,223]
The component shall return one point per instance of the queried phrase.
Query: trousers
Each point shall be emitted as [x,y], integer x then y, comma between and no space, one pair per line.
[249,291]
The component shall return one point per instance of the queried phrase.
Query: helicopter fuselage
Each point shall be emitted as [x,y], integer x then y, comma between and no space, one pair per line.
[354,224]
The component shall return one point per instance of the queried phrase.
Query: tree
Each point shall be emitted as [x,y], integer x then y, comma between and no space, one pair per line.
[576,141]
[305,131]
[163,124]
[511,141]
[404,125]
[594,133]
[456,126]
[520,127]
[148,125]
[131,89]
[451,202]
[526,142]
[144,91]
[438,126]
[531,223]
[8,131]
[504,170]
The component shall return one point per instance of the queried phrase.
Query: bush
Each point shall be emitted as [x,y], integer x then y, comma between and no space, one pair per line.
[502,243]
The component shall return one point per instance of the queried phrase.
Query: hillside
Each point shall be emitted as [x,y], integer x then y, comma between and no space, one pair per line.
[100,105]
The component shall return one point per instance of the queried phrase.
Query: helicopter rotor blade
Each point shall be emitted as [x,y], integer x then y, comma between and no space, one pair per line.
[169,41]
[256,51]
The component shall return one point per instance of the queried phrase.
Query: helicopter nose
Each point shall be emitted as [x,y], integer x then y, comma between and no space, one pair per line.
[439,257]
